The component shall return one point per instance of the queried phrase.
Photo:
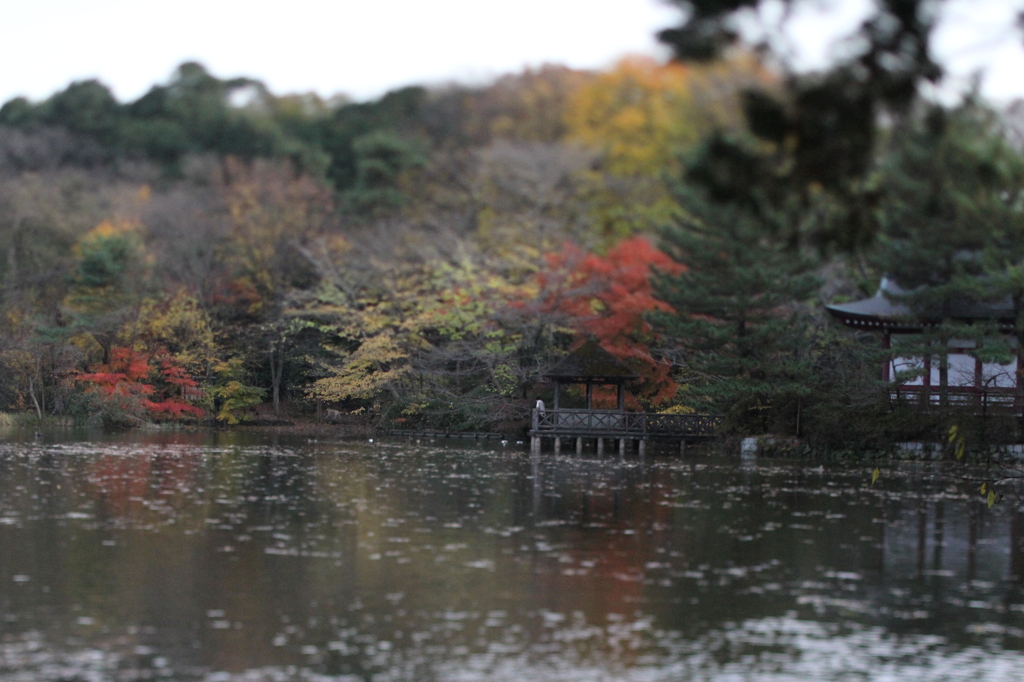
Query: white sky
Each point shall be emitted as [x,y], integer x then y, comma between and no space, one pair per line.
[358,47]
[971,37]
[364,47]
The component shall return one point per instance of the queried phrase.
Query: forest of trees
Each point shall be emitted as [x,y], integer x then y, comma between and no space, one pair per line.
[423,258]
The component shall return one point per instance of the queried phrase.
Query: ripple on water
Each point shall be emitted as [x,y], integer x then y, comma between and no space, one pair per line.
[254,561]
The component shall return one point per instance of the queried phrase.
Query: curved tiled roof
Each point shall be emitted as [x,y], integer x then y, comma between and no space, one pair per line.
[885,310]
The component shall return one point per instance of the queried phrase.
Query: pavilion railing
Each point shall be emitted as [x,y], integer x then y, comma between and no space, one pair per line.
[613,423]
[996,398]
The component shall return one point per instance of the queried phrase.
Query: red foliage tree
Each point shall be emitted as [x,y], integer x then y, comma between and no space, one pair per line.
[125,384]
[608,297]
[179,381]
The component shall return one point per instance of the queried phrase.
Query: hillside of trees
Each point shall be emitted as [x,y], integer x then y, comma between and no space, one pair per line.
[423,258]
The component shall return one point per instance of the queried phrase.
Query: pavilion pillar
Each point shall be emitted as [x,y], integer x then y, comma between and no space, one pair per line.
[887,344]
[620,397]
[1017,377]
[558,389]
[979,371]
[944,374]
[926,380]
[590,395]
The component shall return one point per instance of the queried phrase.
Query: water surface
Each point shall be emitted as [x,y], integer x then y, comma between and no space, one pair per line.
[236,557]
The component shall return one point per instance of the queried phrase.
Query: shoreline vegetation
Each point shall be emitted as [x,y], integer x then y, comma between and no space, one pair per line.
[420,261]
[1006,456]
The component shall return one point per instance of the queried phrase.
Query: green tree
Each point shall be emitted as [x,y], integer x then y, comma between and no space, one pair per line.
[381,159]
[822,129]
[86,107]
[107,283]
[738,322]
[337,134]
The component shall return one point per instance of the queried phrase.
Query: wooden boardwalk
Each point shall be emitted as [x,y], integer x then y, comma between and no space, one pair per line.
[434,433]
[624,427]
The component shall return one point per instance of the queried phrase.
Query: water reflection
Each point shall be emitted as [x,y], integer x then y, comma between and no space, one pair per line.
[224,556]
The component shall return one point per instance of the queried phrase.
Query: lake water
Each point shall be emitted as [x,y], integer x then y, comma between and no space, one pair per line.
[241,557]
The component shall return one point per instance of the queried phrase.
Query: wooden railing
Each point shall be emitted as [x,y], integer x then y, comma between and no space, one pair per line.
[612,423]
[703,425]
[996,398]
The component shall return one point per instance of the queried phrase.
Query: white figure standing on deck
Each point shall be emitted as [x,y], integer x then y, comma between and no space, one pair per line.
[540,407]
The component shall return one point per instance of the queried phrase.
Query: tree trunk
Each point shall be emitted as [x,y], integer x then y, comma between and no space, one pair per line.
[799,413]
[12,264]
[276,370]
[32,392]
[42,384]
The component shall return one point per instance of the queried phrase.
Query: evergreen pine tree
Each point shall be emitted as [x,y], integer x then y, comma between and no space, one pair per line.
[738,323]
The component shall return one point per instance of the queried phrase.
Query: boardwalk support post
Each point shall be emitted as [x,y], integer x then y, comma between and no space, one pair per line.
[600,446]
[579,445]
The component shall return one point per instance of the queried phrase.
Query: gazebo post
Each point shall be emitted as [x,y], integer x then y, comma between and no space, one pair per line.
[620,397]
[590,395]
[558,389]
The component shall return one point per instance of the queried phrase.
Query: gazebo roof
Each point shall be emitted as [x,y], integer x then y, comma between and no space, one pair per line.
[884,310]
[591,363]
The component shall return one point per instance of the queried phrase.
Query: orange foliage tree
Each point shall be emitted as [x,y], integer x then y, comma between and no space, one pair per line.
[608,297]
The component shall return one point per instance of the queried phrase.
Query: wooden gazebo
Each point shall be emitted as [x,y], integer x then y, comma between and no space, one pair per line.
[592,366]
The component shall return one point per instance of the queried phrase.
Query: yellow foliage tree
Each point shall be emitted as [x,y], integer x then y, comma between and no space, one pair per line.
[642,116]
[374,336]
[180,325]
[640,113]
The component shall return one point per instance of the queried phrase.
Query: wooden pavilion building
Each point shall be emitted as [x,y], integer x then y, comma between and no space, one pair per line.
[954,377]
[592,366]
